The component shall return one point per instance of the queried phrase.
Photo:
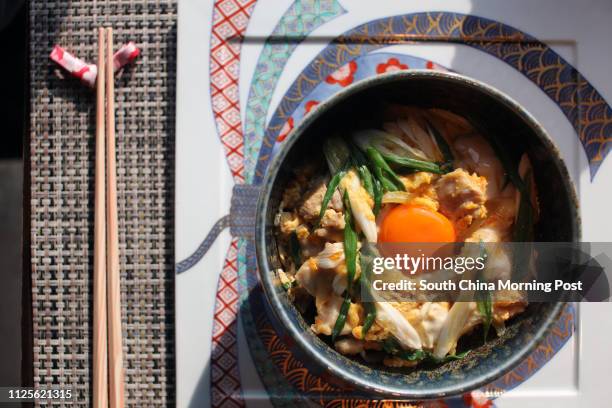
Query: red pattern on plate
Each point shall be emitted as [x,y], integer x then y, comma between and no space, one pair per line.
[310,105]
[391,65]
[285,130]
[230,19]
[225,387]
[344,75]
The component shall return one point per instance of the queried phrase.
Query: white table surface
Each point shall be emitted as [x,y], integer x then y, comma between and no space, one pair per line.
[581,32]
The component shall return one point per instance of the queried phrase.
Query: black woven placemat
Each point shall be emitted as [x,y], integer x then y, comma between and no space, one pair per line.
[61,219]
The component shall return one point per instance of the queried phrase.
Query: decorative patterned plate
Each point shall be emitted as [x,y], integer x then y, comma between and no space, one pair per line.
[249,136]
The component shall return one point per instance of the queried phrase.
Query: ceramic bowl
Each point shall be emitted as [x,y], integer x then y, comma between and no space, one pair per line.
[496,115]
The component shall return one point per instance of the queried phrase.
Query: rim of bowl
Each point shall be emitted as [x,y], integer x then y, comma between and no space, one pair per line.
[295,332]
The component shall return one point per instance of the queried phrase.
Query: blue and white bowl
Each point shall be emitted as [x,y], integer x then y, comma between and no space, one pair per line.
[496,115]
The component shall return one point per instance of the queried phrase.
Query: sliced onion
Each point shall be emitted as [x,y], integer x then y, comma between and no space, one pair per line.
[450,121]
[386,143]
[360,205]
[397,197]
[421,138]
[453,327]
[392,320]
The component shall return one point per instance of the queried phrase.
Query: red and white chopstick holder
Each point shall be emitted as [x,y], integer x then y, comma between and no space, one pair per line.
[87,73]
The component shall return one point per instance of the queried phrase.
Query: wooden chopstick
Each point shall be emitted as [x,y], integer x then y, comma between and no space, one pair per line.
[100,368]
[116,374]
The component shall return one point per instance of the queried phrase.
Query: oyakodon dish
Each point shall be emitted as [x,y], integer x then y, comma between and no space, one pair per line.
[424,175]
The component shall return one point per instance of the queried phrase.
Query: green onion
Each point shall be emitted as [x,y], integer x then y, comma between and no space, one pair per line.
[336,153]
[331,187]
[350,257]
[338,156]
[350,243]
[387,185]
[451,357]
[361,163]
[366,179]
[378,194]
[391,346]
[341,317]
[369,319]
[485,308]
[416,355]
[294,247]
[379,162]
[442,144]
[370,307]
[415,164]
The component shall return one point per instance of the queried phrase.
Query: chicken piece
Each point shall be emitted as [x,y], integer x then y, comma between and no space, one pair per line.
[336,201]
[462,197]
[311,205]
[327,314]
[288,222]
[427,319]
[497,227]
[332,256]
[329,234]
[317,274]
[503,311]
[292,195]
[418,182]
[332,219]
[340,280]
[499,264]
[302,232]
[476,154]
[317,282]
[310,244]
[376,334]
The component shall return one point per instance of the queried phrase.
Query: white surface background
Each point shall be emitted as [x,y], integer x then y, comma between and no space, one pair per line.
[579,31]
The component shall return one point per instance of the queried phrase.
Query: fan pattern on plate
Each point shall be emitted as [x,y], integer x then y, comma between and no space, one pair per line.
[584,107]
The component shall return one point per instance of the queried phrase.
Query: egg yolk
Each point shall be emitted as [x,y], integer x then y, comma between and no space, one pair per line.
[410,223]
